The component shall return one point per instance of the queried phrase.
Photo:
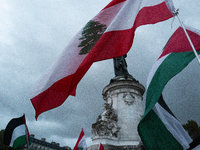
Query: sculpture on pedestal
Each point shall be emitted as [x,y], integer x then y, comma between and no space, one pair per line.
[106,123]
[116,127]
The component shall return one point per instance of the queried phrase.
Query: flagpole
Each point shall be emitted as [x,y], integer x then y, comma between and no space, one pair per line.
[26,131]
[193,48]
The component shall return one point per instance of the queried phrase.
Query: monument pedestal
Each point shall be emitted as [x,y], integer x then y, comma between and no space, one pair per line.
[116,127]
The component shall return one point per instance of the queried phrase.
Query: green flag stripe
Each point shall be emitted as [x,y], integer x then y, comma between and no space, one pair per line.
[19,141]
[173,126]
[172,65]
[152,125]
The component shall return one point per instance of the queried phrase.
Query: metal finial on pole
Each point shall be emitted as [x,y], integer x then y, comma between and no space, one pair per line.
[193,48]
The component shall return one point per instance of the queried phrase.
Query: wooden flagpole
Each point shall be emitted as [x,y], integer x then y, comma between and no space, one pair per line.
[193,48]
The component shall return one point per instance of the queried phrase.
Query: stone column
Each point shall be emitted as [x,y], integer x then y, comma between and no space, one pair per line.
[124,99]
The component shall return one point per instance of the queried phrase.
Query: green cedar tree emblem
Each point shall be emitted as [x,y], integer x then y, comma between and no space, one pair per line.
[90,35]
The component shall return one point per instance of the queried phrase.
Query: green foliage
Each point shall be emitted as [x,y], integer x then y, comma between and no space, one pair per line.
[3,146]
[90,35]
[192,128]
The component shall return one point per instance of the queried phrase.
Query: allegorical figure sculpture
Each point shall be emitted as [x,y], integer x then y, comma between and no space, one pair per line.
[106,123]
[121,71]
[120,66]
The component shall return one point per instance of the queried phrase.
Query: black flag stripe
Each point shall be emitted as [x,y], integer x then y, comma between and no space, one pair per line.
[15,122]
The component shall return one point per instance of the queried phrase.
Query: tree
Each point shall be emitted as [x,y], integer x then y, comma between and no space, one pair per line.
[90,35]
[3,146]
[192,128]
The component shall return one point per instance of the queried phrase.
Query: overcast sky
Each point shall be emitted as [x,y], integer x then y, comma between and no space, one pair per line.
[33,34]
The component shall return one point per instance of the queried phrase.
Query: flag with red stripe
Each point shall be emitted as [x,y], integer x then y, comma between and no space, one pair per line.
[108,35]
[81,142]
[101,147]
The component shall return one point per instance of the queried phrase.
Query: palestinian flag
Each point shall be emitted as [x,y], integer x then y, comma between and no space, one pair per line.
[108,35]
[159,129]
[81,142]
[16,133]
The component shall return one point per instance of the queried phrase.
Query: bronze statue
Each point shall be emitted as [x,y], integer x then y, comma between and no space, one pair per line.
[120,66]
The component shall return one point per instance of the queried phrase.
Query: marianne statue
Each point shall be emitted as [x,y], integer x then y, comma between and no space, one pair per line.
[120,66]
[121,71]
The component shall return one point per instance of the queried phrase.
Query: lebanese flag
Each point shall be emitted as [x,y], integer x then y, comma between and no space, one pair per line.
[108,35]
[159,129]
[16,133]
[101,147]
[81,142]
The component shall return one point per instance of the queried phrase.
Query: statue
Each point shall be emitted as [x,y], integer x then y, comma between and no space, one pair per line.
[120,66]
[106,123]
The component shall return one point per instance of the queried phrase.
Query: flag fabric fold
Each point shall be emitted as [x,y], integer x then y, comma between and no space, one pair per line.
[81,142]
[16,133]
[101,147]
[108,35]
[195,144]
[159,129]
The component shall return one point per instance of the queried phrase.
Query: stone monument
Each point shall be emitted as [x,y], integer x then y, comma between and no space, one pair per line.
[116,127]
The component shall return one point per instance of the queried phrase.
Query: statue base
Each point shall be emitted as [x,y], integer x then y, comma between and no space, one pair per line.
[112,147]
[116,127]
[121,78]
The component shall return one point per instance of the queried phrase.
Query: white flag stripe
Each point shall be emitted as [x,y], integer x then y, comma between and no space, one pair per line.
[154,69]
[173,126]
[17,132]
[82,143]
[119,22]
[102,16]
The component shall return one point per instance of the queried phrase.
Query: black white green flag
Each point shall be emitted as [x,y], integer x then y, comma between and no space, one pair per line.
[16,133]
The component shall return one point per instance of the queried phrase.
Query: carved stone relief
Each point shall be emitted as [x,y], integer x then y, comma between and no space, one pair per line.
[106,123]
[128,98]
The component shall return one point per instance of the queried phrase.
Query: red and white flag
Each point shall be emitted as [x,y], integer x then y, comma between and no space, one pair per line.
[101,147]
[81,142]
[108,35]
